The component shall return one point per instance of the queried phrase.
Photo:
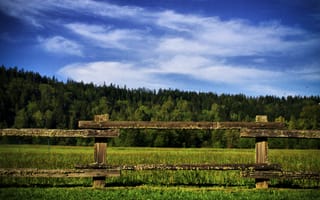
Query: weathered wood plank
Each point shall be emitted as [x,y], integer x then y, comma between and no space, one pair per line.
[176,125]
[280,175]
[100,150]
[58,173]
[184,167]
[261,152]
[268,133]
[261,118]
[103,117]
[84,133]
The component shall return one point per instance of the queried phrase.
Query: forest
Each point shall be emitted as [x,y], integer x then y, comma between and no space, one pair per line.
[29,100]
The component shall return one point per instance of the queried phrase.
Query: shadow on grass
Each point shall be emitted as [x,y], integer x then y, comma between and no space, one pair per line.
[289,184]
[282,184]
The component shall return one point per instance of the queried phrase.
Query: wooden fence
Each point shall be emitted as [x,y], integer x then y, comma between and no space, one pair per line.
[101,128]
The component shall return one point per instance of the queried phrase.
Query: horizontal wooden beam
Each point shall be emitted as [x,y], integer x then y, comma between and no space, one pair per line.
[185,167]
[268,133]
[280,175]
[58,173]
[84,133]
[176,125]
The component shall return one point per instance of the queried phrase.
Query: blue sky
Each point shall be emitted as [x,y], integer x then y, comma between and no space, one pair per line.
[244,46]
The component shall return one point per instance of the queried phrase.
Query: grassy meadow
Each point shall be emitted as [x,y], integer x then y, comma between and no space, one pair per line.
[154,184]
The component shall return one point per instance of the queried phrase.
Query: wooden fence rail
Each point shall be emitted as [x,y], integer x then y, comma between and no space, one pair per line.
[250,167]
[268,133]
[177,125]
[81,133]
[58,173]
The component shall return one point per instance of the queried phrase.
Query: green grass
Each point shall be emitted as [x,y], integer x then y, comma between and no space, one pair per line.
[147,192]
[153,184]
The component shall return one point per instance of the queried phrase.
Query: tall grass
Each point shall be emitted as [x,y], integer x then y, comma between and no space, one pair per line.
[59,157]
[147,192]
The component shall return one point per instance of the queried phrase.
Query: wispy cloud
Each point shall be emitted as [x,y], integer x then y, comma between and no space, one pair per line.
[186,32]
[310,73]
[60,45]
[249,80]
[36,12]
[216,71]
[233,37]
[106,36]
[165,42]
[111,72]
[100,8]
[271,90]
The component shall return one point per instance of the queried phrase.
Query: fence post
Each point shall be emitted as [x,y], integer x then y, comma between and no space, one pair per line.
[261,152]
[100,150]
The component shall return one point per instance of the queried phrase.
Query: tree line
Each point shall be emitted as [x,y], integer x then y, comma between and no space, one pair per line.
[29,100]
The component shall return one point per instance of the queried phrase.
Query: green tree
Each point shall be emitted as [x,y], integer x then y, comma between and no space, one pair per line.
[292,123]
[47,95]
[280,119]
[142,113]
[21,119]
[48,119]
[38,119]
[214,114]
[101,106]
[310,117]
[182,111]
[164,114]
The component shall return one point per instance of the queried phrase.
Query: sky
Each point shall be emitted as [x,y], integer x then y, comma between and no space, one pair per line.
[252,47]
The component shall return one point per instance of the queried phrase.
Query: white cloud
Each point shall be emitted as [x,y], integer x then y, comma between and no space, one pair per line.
[261,89]
[134,75]
[306,73]
[34,11]
[179,22]
[238,75]
[111,72]
[180,45]
[231,38]
[211,70]
[181,64]
[100,8]
[60,45]
[106,36]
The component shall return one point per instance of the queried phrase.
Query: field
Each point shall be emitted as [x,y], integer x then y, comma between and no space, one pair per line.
[154,184]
